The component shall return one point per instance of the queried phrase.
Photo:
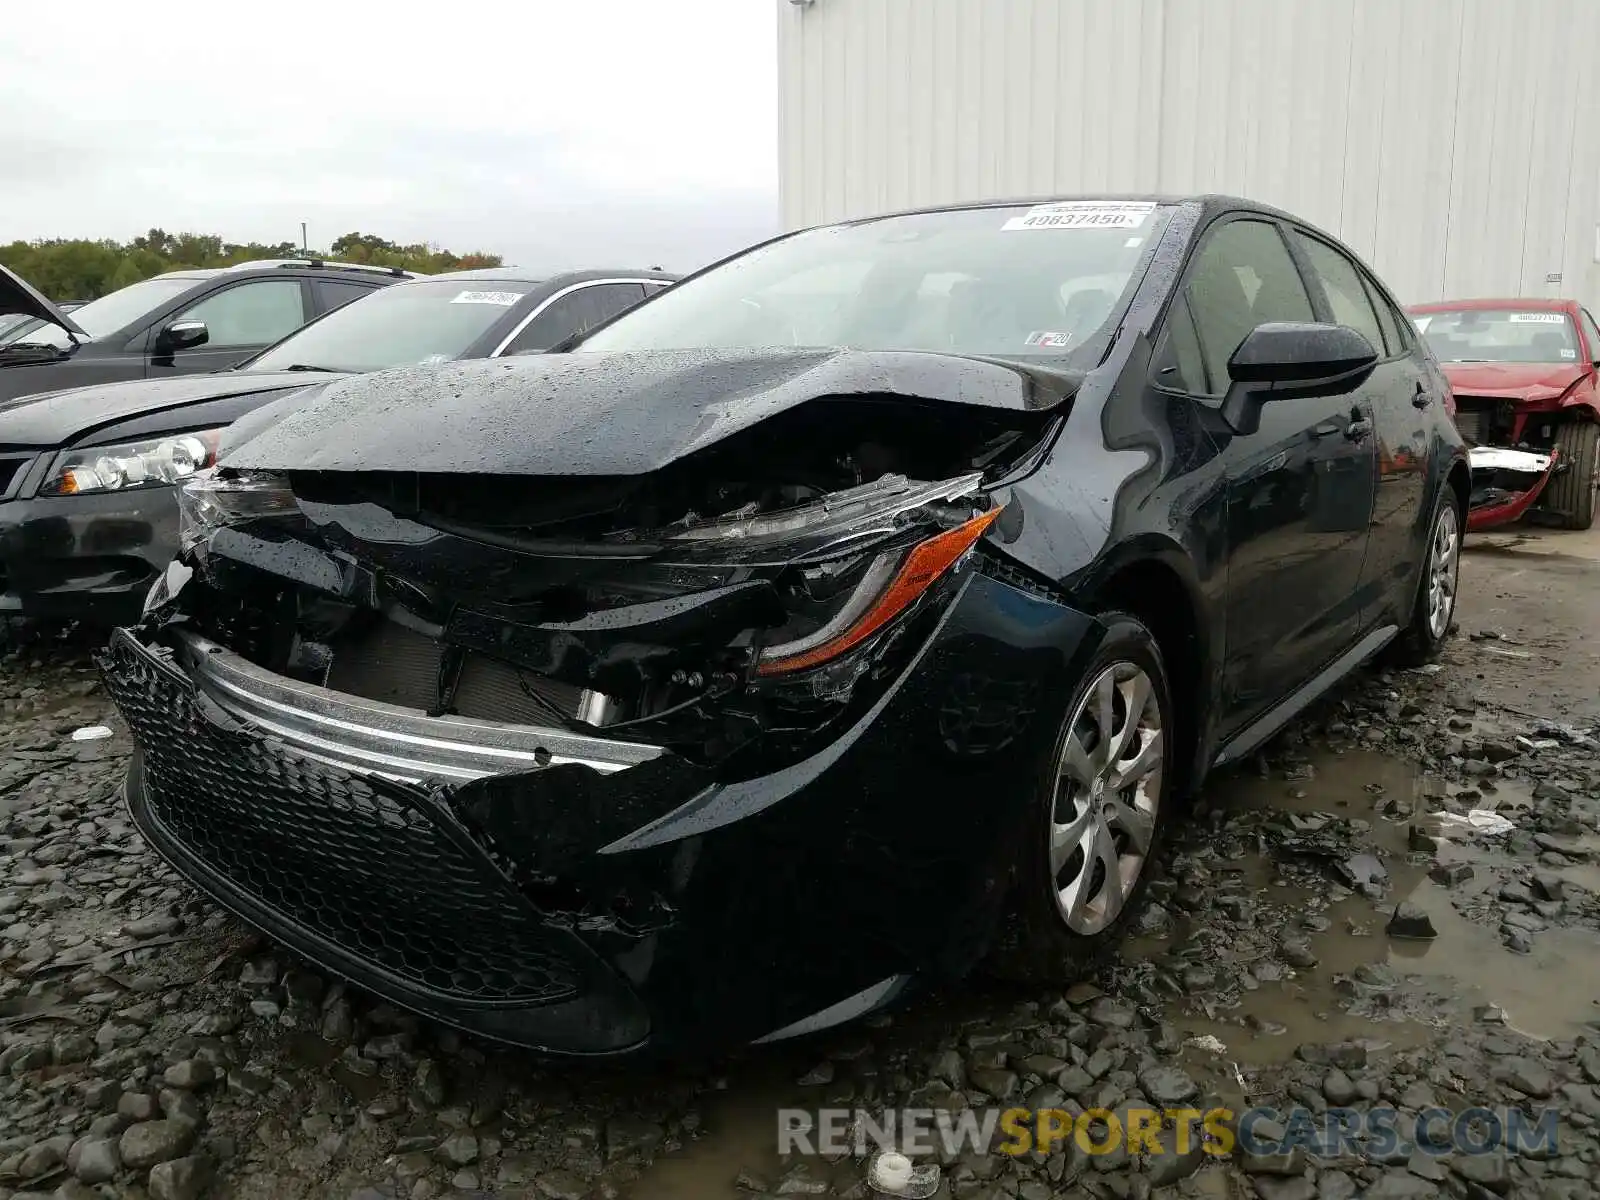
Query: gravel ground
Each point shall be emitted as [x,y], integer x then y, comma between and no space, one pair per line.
[151,1046]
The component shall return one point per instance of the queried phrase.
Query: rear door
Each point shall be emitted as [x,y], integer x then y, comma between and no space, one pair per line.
[243,319]
[336,293]
[1299,489]
[1402,397]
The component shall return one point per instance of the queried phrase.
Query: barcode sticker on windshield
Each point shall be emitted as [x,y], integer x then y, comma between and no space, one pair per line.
[1537,319]
[1568,352]
[1047,337]
[504,299]
[1083,214]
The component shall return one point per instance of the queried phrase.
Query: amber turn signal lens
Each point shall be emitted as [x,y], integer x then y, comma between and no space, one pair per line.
[926,562]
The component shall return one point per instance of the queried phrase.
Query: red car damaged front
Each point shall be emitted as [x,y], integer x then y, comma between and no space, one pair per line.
[1523,378]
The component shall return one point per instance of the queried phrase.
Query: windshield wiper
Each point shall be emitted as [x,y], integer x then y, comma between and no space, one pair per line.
[308,367]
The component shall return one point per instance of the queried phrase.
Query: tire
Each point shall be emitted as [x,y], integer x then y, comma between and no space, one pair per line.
[1055,930]
[1571,494]
[1433,611]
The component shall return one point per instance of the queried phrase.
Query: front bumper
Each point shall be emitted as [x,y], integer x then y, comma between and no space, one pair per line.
[1506,484]
[85,557]
[649,906]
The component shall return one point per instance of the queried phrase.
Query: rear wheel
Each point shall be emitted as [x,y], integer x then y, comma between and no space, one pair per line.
[1100,811]
[1572,492]
[1434,610]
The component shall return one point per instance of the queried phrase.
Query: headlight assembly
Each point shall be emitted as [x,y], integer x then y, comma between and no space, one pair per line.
[159,462]
[209,501]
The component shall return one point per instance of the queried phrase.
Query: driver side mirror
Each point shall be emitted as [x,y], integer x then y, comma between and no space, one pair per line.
[182,335]
[1285,360]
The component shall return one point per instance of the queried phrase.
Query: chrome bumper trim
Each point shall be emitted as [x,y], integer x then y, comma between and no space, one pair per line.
[369,737]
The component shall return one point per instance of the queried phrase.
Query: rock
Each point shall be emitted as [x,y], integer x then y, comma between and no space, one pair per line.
[1338,1088]
[1411,921]
[561,1185]
[1547,885]
[1450,874]
[1108,1012]
[190,1074]
[138,1106]
[1288,1162]
[1296,952]
[458,1150]
[94,1160]
[629,1135]
[43,1157]
[180,1179]
[995,1082]
[151,1142]
[1168,1086]
[152,927]
[1285,1189]
[1529,1077]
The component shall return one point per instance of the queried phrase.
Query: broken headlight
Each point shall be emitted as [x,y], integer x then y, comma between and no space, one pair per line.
[210,501]
[836,603]
[158,462]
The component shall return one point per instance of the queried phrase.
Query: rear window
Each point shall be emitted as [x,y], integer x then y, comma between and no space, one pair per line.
[1507,335]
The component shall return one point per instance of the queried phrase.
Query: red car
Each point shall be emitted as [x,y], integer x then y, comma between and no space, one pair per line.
[1524,377]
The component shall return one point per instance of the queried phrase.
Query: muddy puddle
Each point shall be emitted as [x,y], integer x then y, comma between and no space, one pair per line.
[1271,943]
[1331,970]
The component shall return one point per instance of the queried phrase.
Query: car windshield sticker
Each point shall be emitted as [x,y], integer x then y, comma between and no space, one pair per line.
[504,299]
[1568,352]
[1083,214]
[434,360]
[1046,337]
[1537,318]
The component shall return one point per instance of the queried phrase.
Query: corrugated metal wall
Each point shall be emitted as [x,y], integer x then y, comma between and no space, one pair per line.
[1453,143]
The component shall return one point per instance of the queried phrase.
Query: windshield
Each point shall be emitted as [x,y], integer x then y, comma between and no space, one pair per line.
[990,281]
[105,315]
[396,326]
[1499,335]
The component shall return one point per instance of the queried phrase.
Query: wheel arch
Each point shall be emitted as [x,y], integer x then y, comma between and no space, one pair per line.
[1154,580]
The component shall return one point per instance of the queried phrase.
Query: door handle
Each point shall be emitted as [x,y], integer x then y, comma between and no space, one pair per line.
[1358,430]
[1420,397]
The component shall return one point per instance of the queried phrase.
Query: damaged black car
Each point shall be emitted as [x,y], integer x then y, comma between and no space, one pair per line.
[856,613]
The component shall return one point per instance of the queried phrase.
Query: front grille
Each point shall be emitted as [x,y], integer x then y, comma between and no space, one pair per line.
[12,468]
[374,867]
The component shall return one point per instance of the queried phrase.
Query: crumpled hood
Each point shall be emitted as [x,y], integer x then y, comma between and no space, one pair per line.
[56,418]
[606,414]
[17,295]
[1518,381]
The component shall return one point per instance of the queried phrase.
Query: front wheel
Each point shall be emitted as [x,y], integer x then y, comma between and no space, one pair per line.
[1572,492]
[1096,824]
[1434,610]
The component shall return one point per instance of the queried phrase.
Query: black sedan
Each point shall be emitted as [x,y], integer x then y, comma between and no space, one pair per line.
[87,519]
[862,609]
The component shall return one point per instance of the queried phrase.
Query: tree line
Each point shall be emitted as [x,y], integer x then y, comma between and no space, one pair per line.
[80,269]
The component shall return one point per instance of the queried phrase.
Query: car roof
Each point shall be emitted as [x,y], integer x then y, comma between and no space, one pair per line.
[1529,303]
[528,275]
[1211,202]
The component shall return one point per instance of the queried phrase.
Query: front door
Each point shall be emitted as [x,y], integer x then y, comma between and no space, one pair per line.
[242,320]
[1299,489]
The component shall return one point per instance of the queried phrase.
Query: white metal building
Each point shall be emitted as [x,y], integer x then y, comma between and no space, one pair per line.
[1455,144]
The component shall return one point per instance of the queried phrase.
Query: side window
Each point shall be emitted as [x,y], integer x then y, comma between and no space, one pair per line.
[1392,323]
[336,293]
[1242,277]
[251,314]
[1347,295]
[1180,362]
[1591,333]
[576,312]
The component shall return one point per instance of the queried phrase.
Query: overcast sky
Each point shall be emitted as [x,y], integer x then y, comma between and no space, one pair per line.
[558,133]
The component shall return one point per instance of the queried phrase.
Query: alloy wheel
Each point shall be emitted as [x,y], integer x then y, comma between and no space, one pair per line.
[1444,565]
[1108,792]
